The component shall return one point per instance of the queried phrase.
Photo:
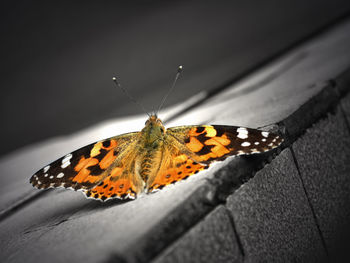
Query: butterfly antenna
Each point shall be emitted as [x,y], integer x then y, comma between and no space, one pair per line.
[129,95]
[172,87]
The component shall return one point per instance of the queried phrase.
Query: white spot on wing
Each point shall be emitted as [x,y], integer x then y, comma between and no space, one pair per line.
[245,144]
[46,168]
[60,175]
[46,175]
[51,177]
[263,140]
[64,165]
[130,196]
[242,133]
[265,134]
[66,160]
[256,143]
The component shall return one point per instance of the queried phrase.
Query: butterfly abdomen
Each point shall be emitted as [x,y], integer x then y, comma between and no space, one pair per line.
[146,166]
[149,163]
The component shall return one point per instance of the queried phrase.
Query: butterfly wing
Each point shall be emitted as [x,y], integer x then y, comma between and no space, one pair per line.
[192,148]
[217,142]
[92,167]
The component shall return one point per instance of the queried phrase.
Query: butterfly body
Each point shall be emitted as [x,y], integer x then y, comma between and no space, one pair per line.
[126,165]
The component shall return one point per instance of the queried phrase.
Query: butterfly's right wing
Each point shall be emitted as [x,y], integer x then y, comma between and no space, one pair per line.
[208,143]
[190,149]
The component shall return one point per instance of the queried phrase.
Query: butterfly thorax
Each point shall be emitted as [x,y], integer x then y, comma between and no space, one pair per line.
[152,139]
[153,133]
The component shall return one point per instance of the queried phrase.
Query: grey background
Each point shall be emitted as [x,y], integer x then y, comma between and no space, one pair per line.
[58,58]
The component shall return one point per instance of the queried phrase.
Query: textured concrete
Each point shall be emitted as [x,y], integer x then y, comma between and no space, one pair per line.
[211,240]
[273,218]
[323,157]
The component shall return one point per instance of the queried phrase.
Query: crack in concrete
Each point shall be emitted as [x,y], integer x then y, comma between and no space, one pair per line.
[233,224]
[47,227]
[309,203]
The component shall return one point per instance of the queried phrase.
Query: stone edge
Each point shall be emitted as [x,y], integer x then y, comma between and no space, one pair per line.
[215,191]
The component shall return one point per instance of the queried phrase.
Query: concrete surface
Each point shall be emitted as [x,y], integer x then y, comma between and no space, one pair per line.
[273,213]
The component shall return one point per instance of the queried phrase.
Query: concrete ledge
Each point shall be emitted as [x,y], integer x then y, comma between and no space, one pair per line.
[273,208]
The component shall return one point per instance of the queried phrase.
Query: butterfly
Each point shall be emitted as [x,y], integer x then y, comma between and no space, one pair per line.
[126,165]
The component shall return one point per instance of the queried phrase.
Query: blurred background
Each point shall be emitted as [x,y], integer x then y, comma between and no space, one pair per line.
[58,58]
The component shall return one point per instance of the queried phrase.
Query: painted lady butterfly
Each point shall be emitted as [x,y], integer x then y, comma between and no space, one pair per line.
[125,165]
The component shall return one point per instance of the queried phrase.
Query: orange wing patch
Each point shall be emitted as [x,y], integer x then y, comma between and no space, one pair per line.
[205,142]
[121,182]
[113,186]
[91,170]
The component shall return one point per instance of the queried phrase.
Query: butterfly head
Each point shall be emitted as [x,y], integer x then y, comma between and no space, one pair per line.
[155,123]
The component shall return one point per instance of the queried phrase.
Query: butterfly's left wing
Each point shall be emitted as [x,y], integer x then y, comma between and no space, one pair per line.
[87,167]
[190,149]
